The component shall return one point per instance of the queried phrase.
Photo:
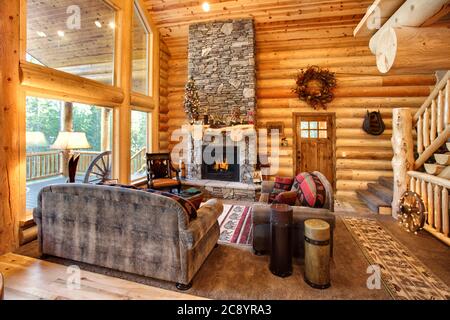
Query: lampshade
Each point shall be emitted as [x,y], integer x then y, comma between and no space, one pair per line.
[71,141]
[36,139]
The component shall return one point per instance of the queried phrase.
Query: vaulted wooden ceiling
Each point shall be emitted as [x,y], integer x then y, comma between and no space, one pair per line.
[174,16]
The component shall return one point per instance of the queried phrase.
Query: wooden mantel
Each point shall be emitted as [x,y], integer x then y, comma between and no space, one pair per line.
[9,123]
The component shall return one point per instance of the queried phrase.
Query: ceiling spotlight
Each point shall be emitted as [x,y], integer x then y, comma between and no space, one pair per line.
[112,25]
[98,23]
[206,7]
[60,33]
[41,34]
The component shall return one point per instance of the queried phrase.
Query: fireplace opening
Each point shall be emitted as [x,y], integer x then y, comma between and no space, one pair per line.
[226,166]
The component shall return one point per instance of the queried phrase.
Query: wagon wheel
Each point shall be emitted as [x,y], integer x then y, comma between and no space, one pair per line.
[100,169]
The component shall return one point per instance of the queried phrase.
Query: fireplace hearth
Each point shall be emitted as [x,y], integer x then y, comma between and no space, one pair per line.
[224,167]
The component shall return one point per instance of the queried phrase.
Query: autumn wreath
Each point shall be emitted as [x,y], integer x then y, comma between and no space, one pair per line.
[315,86]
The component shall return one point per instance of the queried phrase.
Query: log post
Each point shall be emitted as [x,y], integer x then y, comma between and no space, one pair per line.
[66,125]
[403,146]
[105,129]
[10,204]
[122,114]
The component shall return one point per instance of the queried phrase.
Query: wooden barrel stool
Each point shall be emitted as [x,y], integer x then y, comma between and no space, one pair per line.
[2,287]
[317,253]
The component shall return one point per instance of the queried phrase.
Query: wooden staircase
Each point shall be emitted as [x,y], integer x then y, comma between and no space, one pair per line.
[441,168]
[378,197]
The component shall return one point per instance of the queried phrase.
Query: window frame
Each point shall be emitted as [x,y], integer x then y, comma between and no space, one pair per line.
[149,40]
[39,81]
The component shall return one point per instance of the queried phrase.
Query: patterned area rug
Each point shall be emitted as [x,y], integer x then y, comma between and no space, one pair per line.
[236,225]
[403,275]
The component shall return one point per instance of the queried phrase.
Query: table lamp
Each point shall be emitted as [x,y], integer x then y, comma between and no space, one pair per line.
[36,139]
[68,141]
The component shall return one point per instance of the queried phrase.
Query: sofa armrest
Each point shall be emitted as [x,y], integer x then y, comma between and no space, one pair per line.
[206,217]
[266,190]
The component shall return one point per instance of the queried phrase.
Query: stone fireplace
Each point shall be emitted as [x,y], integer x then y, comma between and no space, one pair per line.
[234,146]
[222,63]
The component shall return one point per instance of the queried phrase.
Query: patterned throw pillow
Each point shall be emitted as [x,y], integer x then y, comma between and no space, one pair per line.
[310,190]
[188,207]
[287,197]
[281,185]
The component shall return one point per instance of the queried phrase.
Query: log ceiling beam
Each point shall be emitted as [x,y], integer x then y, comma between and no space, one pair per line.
[376,16]
[413,13]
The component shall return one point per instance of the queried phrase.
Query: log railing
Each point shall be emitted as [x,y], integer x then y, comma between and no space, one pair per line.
[86,158]
[42,165]
[138,160]
[434,193]
[433,121]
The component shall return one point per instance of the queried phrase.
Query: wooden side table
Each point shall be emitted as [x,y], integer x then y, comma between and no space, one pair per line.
[281,218]
[317,253]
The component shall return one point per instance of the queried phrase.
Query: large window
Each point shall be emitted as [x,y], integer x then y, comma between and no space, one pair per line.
[72,36]
[140,69]
[139,143]
[45,120]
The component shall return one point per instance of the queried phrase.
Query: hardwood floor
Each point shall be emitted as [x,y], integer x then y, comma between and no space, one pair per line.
[33,279]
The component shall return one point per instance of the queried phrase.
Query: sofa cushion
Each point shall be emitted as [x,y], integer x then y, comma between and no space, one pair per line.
[310,190]
[188,207]
[282,184]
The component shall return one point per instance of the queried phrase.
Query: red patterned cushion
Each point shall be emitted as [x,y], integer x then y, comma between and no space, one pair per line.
[281,185]
[287,197]
[310,190]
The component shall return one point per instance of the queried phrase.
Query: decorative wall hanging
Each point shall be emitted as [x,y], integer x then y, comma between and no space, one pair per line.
[373,123]
[412,212]
[315,86]
[191,101]
[273,127]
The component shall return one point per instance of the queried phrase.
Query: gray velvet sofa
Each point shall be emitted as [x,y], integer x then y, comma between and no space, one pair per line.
[127,230]
[261,219]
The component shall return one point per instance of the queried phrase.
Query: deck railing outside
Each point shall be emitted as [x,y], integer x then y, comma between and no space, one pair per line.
[41,165]
[138,161]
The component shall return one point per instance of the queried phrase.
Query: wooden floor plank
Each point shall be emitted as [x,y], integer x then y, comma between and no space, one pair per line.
[28,278]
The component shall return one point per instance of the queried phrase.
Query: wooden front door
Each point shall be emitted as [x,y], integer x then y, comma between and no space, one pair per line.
[315,144]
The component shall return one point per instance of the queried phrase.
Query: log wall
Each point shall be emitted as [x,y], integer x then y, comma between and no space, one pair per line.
[164,57]
[284,48]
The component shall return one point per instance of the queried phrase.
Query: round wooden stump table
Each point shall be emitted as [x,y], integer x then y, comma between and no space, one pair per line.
[317,253]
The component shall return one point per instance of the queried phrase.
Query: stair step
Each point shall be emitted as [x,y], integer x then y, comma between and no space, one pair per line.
[443,159]
[381,192]
[445,173]
[374,203]
[433,169]
[386,182]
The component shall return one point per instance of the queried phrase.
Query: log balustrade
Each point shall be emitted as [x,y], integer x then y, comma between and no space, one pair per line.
[434,193]
[433,121]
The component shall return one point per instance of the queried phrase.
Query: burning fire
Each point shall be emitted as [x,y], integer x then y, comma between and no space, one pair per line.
[222,166]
